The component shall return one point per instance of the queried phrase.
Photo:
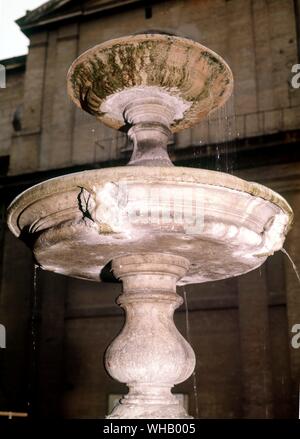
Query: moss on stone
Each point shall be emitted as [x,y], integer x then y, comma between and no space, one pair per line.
[126,64]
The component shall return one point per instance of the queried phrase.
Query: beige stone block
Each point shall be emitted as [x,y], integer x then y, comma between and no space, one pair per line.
[84,137]
[272,121]
[263,60]
[63,109]
[68,30]
[105,143]
[216,130]
[11,98]
[245,95]
[240,55]
[254,125]
[50,89]
[283,48]
[240,126]
[200,134]
[291,118]
[183,139]
[121,140]
[24,153]
[38,38]
[33,92]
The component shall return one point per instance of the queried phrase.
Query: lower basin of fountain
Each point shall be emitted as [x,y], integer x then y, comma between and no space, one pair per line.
[76,224]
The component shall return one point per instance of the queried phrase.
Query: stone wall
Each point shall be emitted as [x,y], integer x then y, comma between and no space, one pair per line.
[240,328]
[11,100]
[257,38]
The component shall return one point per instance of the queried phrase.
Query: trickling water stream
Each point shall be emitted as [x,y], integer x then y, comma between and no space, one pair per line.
[34,307]
[188,337]
[33,345]
[292,263]
[219,134]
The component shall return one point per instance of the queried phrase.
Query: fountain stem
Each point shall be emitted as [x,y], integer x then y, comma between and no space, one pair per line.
[150,142]
[150,118]
[150,355]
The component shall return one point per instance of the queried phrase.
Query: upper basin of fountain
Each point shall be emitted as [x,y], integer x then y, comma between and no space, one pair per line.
[191,79]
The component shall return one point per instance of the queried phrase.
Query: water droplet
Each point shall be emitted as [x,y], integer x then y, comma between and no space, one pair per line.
[292,263]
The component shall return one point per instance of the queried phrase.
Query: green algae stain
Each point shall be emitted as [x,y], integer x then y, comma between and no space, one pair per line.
[121,66]
[118,71]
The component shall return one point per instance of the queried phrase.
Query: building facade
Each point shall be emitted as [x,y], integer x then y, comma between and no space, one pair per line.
[241,329]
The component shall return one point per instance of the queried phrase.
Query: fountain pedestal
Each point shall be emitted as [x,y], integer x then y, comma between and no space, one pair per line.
[150,355]
[158,224]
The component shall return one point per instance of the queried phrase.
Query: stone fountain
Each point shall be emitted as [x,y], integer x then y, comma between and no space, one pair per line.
[155,225]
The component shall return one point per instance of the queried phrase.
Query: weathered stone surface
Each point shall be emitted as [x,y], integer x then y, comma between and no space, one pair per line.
[259,42]
[58,113]
[167,62]
[82,221]
[26,157]
[11,99]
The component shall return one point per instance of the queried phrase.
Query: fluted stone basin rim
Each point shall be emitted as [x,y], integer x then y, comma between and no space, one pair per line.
[243,222]
[89,178]
[198,78]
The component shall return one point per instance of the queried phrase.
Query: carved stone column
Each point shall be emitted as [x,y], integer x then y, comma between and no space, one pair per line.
[149,355]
